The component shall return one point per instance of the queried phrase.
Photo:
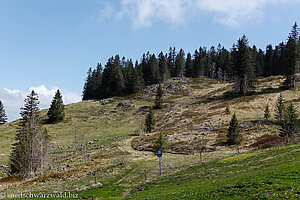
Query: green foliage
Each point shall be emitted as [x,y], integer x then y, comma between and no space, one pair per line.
[179,64]
[56,111]
[29,155]
[279,109]
[158,97]
[292,57]
[289,125]
[243,66]
[150,121]
[3,117]
[233,135]
[267,113]
[159,143]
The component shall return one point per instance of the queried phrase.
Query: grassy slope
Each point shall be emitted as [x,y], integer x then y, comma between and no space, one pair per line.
[184,111]
[268,174]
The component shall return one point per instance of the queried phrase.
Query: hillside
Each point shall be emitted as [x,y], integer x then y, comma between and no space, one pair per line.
[103,139]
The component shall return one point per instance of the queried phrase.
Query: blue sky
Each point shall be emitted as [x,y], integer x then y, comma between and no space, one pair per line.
[50,44]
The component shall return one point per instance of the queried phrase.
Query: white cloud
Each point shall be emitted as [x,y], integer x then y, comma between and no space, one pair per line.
[143,13]
[13,100]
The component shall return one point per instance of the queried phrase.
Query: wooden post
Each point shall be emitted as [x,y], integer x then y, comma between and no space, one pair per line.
[238,148]
[201,156]
[145,174]
[6,191]
[95,173]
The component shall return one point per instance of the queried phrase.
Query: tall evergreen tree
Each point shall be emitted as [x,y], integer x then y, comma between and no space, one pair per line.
[292,57]
[189,70]
[87,89]
[159,97]
[29,155]
[179,64]
[112,78]
[164,69]
[150,121]
[159,143]
[3,117]
[233,135]
[279,109]
[171,60]
[243,66]
[128,74]
[139,82]
[56,111]
[289,125]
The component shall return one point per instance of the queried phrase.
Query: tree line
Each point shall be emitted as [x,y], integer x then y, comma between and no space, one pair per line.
[242,65]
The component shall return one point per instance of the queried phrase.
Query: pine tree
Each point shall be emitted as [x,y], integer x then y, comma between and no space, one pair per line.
[279,109]
[233,135]
[159,97]
[289,125]
[128,74]
[179,64]
[3,117]
[163,67]
[189,72]
[243,66]
[56,111]
[139,82]
[87,89]
[150,121]
[292,57]
[267,113]
[29,155]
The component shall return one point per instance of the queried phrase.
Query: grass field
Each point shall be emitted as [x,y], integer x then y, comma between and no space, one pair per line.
[194,112]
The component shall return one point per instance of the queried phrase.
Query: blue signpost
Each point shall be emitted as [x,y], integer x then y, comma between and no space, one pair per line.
[159,155]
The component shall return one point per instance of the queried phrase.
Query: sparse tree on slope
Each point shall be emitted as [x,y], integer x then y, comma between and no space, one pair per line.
[3,117]
[233,135]
[159,97]
[56,111]
[150,121]
[29,155]
[279,109]
[289,125]
[267,113]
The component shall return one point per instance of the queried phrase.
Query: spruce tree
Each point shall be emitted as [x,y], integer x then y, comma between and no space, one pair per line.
[29,155]
[233,135]
[267,113]
[3,117]
[139,82]
[87,89]
[159,97]
[150,121]
[289,125]
[279,109]
[243,66]
[179,64]
[56,111]
[292,57]
[189,72]
[164,70]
